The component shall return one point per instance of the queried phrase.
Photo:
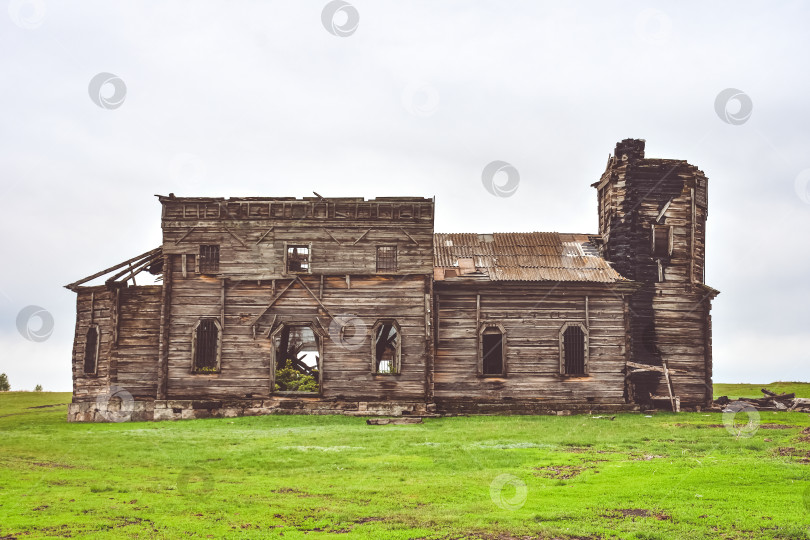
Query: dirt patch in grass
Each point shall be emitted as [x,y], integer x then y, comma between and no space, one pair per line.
[576,449]
[801,456]
[775,426]
[559,472]
[356,522]
[644,457]
[52,465]
[293,491]
[805,435]
[633,513]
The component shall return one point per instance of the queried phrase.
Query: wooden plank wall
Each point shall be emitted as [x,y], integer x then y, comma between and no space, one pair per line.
[253,248]
[680,326]
[136,352]
[344,235]
[670,317]
[129,362]
[246,368]
[532,315]
[88,387]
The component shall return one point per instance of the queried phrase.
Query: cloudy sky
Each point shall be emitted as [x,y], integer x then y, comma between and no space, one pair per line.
[276,99]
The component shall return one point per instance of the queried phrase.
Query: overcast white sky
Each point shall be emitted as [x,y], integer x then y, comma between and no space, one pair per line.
[258,98]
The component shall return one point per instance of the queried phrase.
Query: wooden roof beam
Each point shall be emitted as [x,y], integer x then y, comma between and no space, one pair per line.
[138,269]
[140,261]
[72,286]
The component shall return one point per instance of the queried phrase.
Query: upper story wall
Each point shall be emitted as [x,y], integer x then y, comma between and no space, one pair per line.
[341,234]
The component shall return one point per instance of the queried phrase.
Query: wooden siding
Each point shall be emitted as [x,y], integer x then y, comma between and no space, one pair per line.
[254,247]
[669,313]
[94,305]
[135,355]
[246,368]
[343,236]
[128,346]
[532,316]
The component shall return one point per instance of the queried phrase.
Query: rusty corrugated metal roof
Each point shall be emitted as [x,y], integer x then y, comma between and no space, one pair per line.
[533,256]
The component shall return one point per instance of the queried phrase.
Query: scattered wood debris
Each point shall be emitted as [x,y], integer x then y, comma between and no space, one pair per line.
[771,401]
[400,420]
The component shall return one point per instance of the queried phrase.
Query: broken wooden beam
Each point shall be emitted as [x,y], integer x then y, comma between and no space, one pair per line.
[399,420]
[75,284]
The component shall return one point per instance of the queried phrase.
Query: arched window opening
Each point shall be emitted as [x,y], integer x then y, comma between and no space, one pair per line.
[387,347]
[661,241]
[574,350]
[297,359]
[206,346]
[91,346]
[492,345]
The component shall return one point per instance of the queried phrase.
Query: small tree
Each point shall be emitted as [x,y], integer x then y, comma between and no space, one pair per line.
[4,385]
[38,388]
[290,379]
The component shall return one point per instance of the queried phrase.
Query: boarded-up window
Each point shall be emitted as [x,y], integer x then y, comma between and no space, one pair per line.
[386,258]
[492,351]
[574,353]
[661,241]
[298,258]
[387,347]
[209,259]
[206,346]
[91,346]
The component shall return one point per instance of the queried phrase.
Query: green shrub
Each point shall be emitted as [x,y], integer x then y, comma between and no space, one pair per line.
[291,380]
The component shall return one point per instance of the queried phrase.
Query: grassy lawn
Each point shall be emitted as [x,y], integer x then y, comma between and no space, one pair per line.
[753,390]
[664,476]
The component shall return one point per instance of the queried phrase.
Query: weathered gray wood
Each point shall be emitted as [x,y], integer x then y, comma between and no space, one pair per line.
[72,286]
[393,421]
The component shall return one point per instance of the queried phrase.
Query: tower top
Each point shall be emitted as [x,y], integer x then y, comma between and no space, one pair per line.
[630,150]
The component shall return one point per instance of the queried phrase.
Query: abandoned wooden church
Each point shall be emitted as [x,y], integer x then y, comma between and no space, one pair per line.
[345,305]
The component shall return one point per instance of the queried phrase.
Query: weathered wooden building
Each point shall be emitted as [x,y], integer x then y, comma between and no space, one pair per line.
[346,305]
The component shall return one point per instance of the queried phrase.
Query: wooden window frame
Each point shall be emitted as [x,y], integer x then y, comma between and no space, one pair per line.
[315,327]
[398,359]
[93,373]
[377,260]
[194,369]
[670,241]
[288,245]
[504,348]
[586,336]
[199,260]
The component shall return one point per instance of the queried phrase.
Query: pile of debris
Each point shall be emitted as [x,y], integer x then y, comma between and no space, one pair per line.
[771,402]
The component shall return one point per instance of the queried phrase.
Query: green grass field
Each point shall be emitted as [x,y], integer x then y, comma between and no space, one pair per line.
[664,476]
[753,390]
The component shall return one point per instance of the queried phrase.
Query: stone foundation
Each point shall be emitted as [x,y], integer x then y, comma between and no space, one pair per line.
[457,407]
[144,411]
[140,411]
